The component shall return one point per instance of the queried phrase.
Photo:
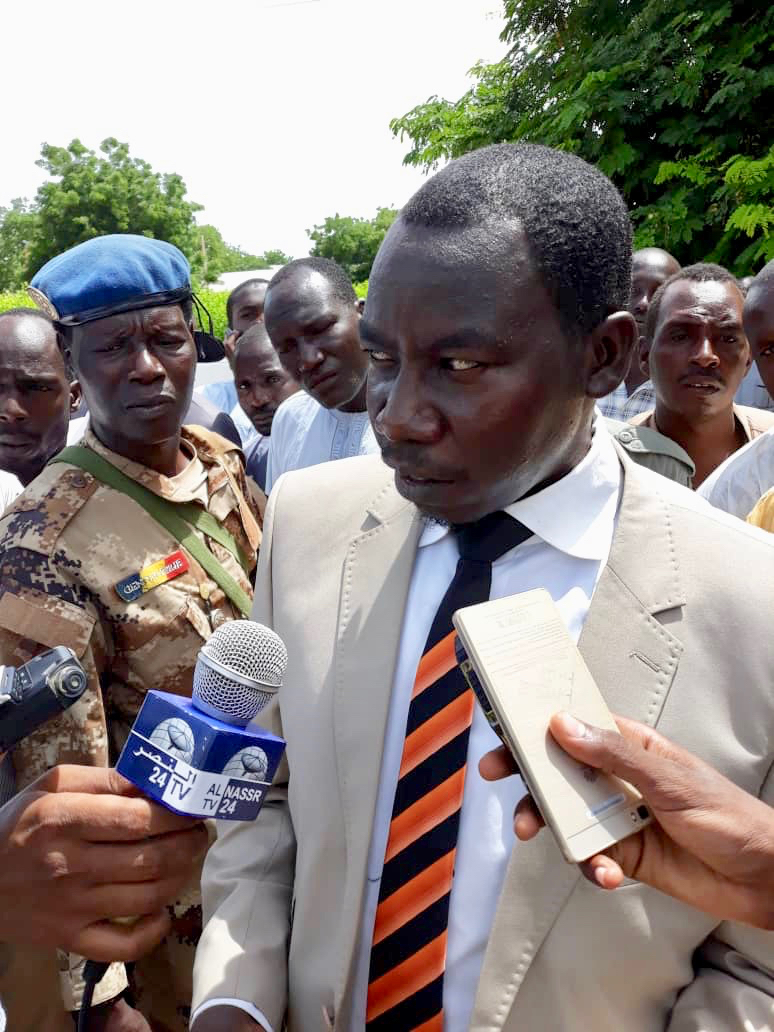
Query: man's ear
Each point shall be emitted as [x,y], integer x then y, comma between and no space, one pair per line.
[609,353]
[75,396]
[643,354]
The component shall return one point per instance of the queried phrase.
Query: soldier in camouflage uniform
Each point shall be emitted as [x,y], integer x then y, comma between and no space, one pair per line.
[68,543]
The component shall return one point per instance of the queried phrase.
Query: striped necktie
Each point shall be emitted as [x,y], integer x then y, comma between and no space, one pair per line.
[408,954]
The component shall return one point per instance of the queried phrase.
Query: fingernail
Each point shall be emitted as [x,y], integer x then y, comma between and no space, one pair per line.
[572,727]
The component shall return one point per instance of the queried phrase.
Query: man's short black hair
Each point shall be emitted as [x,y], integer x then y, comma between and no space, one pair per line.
[574,219]
[701,272]
[332,271]
[36,313]
[232,297]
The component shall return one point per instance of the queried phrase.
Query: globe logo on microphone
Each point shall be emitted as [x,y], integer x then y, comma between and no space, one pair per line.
[251,764]
[175,736]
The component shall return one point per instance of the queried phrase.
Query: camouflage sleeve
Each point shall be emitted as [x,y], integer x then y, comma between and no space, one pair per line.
[41,607]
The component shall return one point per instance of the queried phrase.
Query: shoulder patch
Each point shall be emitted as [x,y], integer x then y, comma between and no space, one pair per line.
[37,518]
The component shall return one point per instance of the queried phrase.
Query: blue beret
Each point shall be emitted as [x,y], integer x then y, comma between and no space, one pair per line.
[108,275]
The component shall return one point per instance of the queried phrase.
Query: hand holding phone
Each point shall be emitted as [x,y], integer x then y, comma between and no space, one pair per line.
[710,844]
[523,666]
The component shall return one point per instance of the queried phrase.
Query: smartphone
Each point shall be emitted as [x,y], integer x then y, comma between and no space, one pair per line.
[523,667]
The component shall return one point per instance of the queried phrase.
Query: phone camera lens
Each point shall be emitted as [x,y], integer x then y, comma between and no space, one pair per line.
[643,812]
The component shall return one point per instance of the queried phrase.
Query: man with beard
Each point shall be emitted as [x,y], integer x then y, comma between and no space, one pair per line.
[696,353]
[382,887]
[262,385]
[84,565]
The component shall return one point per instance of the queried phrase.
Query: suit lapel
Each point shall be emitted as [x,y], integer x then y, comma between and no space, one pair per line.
[633,658]
[375,583]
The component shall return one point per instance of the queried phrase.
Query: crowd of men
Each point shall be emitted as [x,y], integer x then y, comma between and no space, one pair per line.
[520,394]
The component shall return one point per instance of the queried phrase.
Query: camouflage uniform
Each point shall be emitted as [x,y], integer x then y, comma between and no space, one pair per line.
[64,545]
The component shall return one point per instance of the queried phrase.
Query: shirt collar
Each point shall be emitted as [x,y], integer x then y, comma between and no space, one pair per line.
[178,488]
[576,514]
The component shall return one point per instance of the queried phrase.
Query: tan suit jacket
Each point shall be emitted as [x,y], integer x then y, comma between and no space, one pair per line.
[678,635]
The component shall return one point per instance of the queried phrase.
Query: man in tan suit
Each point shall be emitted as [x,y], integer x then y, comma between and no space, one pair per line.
[382,886]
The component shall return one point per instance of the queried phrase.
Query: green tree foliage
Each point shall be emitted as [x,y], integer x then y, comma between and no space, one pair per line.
[17,229]
[270,258]
[673,100]
[90,194]
[351,242]
[212,256]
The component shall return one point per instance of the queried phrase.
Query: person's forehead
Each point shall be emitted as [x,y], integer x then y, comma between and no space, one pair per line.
[257,357]
[300,298]
[759,307]
[163,316]
[653,265]
[250,297]
[710,299]
[480,276]
[29,341]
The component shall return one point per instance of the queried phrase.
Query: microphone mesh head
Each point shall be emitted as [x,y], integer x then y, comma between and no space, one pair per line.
[239,669]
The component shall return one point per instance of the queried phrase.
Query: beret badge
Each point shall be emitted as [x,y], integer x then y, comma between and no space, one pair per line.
[43,303]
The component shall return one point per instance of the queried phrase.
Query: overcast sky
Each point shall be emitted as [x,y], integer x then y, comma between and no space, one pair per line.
[275,112]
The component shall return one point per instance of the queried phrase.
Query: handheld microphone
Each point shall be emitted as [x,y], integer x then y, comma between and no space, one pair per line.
[33,694]
[197,756]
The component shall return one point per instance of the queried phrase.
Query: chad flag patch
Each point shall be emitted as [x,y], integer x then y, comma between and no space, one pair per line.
[150,577]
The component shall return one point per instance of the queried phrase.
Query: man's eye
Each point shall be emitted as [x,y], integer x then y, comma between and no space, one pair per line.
[461,365]
[274,379]
[767,351]
[378,356]
[38,387]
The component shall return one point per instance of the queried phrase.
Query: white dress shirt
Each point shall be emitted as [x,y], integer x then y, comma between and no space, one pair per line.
[738,484]
[573,522]
[304,433]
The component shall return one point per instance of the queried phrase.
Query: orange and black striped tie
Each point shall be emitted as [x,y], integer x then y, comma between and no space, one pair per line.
[408,954]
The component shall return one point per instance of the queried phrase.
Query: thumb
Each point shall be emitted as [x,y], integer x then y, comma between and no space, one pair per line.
[638,755]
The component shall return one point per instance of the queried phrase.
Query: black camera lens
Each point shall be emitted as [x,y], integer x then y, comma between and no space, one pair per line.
[643,812]
[68,681]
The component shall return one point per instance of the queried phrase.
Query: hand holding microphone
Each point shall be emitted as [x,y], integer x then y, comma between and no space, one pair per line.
[79,846]
[711,844]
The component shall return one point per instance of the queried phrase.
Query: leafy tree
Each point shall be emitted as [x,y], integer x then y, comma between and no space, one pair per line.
[673,100]
[212,256]
[273,257]
[17,228]
[351,242]
[92,194]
